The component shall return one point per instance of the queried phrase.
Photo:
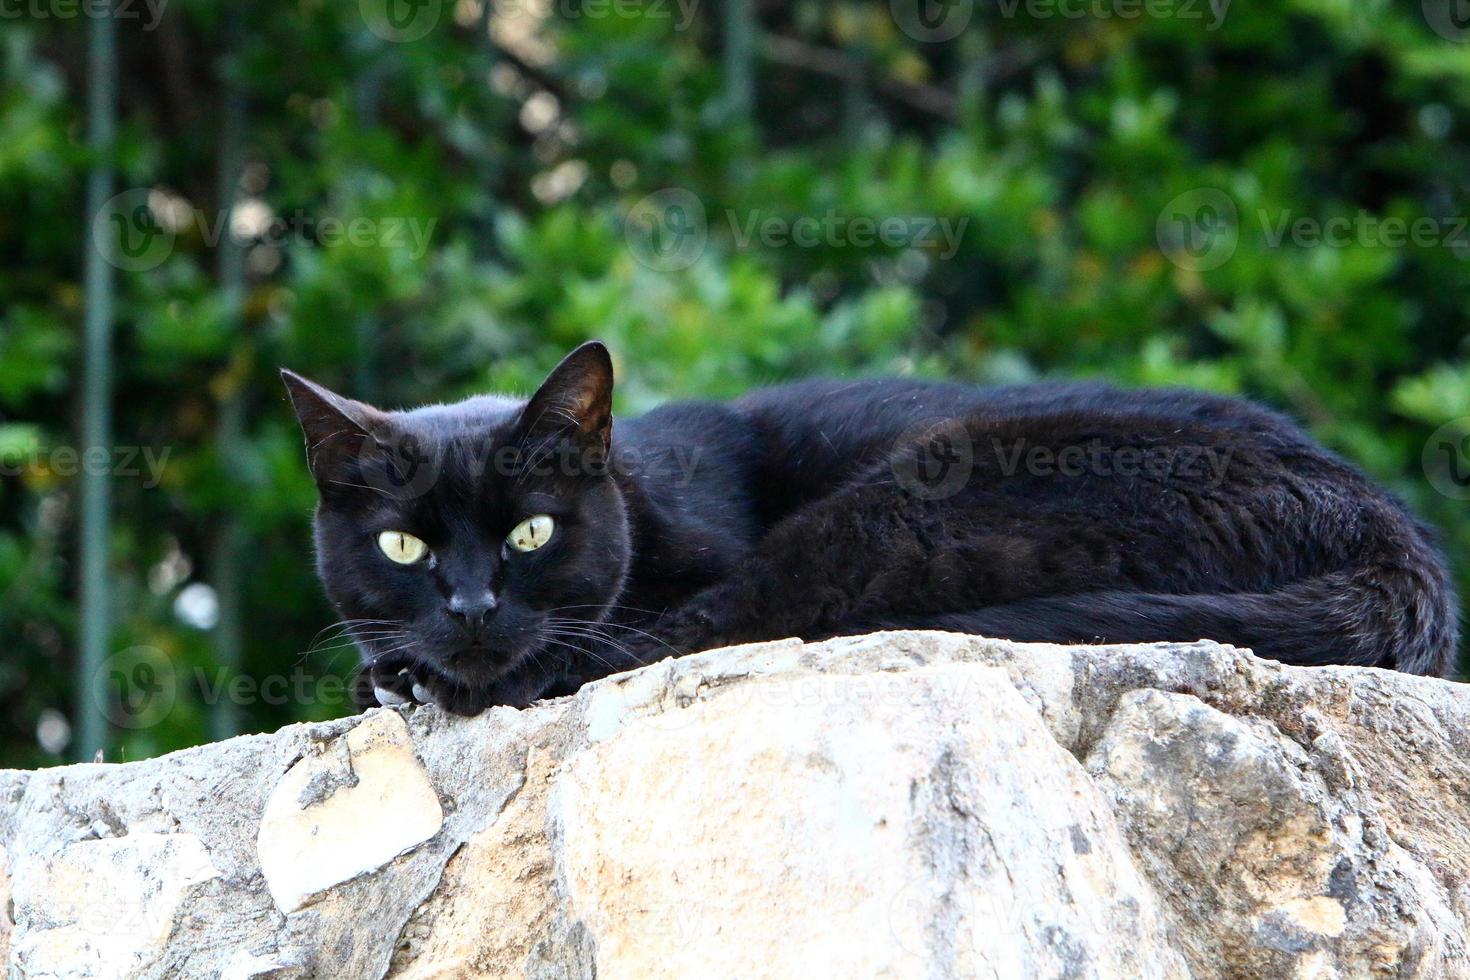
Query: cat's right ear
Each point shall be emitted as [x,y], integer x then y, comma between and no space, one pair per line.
[338,430]
[575,400]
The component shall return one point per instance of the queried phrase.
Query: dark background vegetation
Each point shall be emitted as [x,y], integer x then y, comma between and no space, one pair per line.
[1061,134]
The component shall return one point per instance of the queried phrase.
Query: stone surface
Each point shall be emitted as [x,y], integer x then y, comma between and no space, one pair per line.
[898,805]
[369,780]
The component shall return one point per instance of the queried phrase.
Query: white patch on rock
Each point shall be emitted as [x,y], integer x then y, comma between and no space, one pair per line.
[867,810]
[6,925]
[104,908]
[346,811]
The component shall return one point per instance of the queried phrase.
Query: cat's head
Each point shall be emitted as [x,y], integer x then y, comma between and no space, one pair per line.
[472,538]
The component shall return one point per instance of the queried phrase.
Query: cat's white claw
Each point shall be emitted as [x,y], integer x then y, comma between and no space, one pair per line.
[388,698]
[421,694]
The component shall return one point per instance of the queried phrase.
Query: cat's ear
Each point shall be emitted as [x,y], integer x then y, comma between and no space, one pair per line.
[575,400]
[338,430]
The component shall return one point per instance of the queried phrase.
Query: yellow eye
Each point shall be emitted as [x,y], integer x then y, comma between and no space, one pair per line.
[401,547]
[531,533]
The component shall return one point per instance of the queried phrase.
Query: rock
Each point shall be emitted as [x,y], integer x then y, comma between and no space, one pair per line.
[369,780]
[105,908]
[6,926]
[900,805]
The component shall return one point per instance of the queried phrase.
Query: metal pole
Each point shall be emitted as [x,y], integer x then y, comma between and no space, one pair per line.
[229,541]
[740,40]
[95,627]
[366,92]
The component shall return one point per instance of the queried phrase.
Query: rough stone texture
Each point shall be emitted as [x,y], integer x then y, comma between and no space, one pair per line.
[898,805]
[368,780]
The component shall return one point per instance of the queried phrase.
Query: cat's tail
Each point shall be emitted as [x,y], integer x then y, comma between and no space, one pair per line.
[1394,618]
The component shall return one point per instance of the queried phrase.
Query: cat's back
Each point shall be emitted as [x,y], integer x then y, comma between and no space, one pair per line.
[826,416]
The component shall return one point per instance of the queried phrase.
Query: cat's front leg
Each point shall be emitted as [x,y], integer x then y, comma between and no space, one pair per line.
[392,682]
[383,682]
[741,609]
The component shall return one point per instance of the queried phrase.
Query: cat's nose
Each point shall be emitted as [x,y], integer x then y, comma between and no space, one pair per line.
[471,613]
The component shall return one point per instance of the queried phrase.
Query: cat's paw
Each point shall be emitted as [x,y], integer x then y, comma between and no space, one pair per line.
[388,685]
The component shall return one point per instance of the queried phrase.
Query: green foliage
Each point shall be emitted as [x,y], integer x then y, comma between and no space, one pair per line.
[495,184]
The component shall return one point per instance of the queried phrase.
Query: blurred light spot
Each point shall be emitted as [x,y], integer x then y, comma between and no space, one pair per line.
[1435,120]
[467,12]
[560,183]
[539,112]
[53,731]
[263,260]
[912,265]
[624,174]
[505,80]
[172,211]
[172,569]
[197,606]
[250,218]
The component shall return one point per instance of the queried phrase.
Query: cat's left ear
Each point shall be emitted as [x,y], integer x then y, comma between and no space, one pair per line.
[575,400]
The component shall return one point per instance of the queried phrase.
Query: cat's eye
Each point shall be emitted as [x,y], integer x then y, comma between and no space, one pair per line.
[401,547]
[531,533]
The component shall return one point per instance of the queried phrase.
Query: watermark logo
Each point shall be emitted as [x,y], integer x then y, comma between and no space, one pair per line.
[667,230]
[135,688]
[136,229]
[134,462]
[1214,10]
[401,21]
[1202,228]
[932,21]
[1199,230]
[1446,459]
[934,459]
[398,465]
[1450,19]
[131,233]
[940,236]
[150,12]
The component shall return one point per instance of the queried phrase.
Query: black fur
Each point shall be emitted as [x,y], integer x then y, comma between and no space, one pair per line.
[1068,513]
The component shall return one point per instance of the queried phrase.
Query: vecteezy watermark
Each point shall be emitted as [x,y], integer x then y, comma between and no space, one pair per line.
[1446,459]
[136,688]
[836,230]
[1201,230]
[401,21]
[669,229]
[934,459]
[403,467]
[1362,228]
[1211,11]
[932,21]
[1450,19]
[937,21]
[137,229]
[150,12]
[146,462]
[938,458]
[139,687]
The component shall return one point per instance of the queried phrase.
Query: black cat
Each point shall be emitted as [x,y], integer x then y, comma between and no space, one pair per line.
[497,550]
